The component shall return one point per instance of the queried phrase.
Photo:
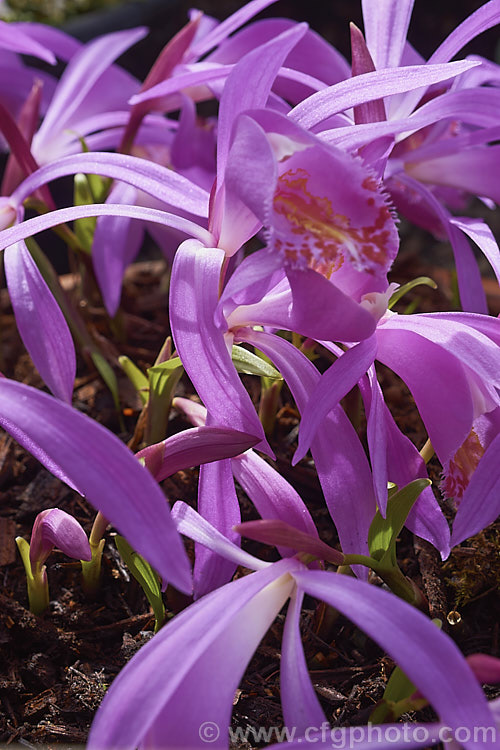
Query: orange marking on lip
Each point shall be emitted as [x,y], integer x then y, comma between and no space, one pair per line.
[327,237]
[462,466]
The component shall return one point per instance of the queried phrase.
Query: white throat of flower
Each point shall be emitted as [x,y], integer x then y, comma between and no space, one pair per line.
[376,302]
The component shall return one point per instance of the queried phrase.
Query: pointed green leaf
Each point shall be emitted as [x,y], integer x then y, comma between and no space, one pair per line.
[165,352]
[384,531]
[399,686]
[136,377]
[163,379]
[164,369]
[99,186]
[145,576]
[84,228]
[249,363]
[24,550]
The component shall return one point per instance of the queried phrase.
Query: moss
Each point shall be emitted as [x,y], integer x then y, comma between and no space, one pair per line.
[52,11]
[474,569]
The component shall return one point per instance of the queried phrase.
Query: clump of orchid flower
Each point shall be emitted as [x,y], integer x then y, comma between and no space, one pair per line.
[278,219]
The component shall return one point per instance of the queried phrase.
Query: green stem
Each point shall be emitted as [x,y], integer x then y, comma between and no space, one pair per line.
[37,583]
[393,577]
[62,230]
[91,570]
[427,451]
[38,590]
[268,406]
[223,272]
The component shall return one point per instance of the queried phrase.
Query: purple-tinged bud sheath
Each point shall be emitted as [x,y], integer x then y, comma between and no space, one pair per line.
[56,528]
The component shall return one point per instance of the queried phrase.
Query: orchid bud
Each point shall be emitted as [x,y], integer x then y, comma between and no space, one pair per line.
[56,528]
[52,528]
[277,532]
[486,668]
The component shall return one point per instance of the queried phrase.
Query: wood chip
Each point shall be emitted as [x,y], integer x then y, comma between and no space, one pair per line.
[7,541]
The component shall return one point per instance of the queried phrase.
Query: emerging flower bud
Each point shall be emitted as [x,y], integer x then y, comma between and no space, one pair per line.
[56,528]
[52,528]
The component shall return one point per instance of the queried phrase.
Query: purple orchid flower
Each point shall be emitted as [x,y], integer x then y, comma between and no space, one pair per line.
[160,182]
[431,145]
[14,38]
[231,221]
[272,495]
[40,322]
[212,641]
[451,348]
[91,96]
[197,271]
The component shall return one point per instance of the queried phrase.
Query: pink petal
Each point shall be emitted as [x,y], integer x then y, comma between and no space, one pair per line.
[194,447]
[218,504]
[40,322]
[271,494]
[80,76]
[480,504]
[189,523]
[158,181]
[334,384]
[194,290]
[117,241]
[56,528]
[39,223]
[12,37]
[371,86]
[301,707]
[249,86]
[429,658]
[386,26]
[483,18]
